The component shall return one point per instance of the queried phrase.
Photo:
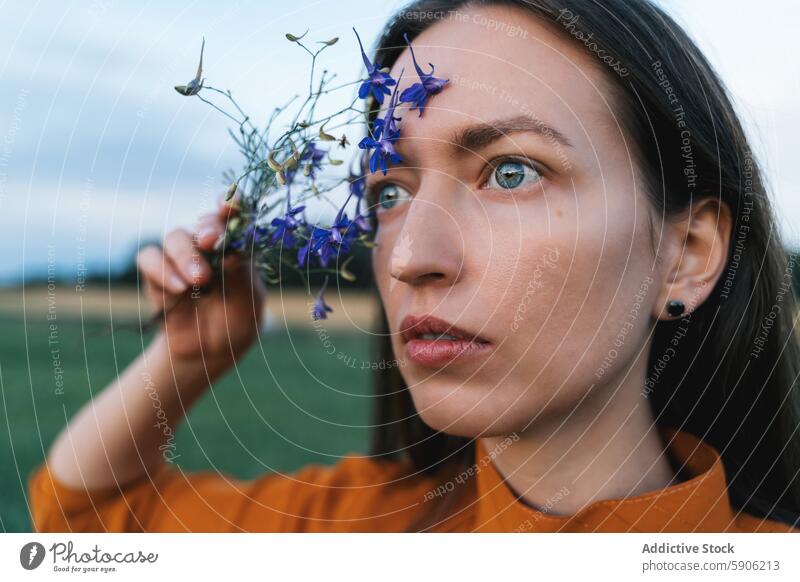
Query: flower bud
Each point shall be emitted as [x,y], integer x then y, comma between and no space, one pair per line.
[231,191]
[294,38]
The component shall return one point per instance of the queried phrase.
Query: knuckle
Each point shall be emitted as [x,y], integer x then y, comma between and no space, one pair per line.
[146,254]
[176,237]
[208,218]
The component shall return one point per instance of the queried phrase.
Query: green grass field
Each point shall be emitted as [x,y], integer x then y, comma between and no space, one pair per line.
[292,404]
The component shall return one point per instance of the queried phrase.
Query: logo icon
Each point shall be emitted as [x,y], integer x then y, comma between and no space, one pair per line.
[401,256]
[31,555]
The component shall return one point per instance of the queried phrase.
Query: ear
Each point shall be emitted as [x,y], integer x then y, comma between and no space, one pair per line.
[694,256]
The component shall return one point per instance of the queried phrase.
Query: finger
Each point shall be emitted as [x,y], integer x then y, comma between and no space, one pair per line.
[188,261]
[157,296]
[228,209]
[158,272]
[208,230]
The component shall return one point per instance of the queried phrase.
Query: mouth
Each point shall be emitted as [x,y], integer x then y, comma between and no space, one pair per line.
[430,327]
[433,342]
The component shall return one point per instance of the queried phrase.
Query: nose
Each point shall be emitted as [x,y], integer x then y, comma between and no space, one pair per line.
[429,249]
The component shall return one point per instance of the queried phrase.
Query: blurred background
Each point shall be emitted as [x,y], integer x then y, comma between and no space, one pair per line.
[99,155]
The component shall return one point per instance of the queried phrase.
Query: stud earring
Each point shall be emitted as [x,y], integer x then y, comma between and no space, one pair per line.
[675,307]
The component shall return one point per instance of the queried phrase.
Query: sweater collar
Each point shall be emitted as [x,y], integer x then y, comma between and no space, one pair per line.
[697,504]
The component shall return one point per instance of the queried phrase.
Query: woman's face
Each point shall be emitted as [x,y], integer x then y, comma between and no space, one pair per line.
[515,216]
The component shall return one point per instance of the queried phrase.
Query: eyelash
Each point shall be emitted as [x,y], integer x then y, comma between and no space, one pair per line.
[373,191]
[495,163]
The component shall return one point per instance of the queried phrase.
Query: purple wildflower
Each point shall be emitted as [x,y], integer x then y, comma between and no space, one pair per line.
[385,134]
[357,184]
[321,309]
[377,82]
[314,238]
[252,236]
[360,221]
[285,227]
[337,241]
[418,93]
[357,189]
[328,243]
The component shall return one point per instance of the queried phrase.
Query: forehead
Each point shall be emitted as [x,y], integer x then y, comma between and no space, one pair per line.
[502,62]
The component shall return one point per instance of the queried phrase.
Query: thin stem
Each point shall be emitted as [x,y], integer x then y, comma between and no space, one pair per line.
[225,113]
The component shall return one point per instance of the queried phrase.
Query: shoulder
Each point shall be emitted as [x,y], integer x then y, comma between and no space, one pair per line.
[355,494]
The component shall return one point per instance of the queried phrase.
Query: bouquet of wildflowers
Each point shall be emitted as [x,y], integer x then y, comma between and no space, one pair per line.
[282,169]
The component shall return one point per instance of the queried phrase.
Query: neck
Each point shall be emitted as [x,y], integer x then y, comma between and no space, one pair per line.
[606,449]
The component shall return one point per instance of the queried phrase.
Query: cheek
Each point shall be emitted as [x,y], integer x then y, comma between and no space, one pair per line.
[573,283]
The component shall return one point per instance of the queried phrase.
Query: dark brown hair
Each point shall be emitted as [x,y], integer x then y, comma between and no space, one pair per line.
[732,378]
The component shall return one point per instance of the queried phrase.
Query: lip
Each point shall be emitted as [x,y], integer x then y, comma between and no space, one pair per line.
[434,352]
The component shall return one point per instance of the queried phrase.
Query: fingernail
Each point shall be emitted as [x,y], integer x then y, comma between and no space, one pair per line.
[204,232]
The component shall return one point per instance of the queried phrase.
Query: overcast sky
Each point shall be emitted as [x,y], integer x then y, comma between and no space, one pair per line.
[98,151]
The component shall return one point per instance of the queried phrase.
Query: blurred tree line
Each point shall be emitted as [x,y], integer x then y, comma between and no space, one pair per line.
[360,266]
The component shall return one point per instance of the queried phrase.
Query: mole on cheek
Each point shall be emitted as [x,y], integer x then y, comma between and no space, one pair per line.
[558,212]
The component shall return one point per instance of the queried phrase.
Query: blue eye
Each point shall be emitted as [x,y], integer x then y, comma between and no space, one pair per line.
[390,194]
[510,174]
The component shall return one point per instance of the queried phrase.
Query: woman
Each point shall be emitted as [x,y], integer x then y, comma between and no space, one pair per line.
[579,211]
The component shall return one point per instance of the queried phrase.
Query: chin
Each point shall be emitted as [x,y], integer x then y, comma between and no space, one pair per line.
[456,417]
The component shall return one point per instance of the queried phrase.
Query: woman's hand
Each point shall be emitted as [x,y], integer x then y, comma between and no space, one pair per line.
[214,319]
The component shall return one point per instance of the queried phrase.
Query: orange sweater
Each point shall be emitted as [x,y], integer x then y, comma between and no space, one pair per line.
[360,494]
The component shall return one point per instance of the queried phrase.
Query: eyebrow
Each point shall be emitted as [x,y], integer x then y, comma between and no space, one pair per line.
[475,137]
[478,136]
